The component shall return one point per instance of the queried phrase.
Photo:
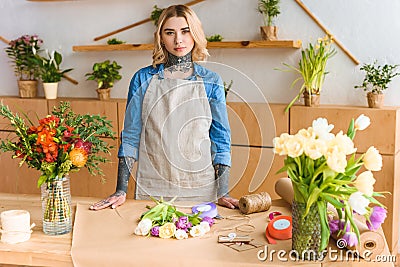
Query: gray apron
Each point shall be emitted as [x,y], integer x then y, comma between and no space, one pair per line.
[175,148]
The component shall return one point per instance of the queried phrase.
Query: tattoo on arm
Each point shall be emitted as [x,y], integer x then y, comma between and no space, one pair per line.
[125,166]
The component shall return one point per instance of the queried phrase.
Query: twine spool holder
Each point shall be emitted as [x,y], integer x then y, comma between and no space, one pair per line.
[16,227]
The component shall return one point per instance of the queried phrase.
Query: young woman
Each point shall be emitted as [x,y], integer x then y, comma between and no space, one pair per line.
[176,124]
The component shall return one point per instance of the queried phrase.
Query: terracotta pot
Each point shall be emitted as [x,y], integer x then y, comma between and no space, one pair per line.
[311,101]
[27,88]
[269,33]
[50,90]
[375,100]
[104,94]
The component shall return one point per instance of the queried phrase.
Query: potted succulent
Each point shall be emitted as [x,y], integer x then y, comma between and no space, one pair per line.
[50,73]
[312,70]
[376,80]
[270,10]
[22,51]
[105,74]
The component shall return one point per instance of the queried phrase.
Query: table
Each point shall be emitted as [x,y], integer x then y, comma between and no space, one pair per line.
[46,250]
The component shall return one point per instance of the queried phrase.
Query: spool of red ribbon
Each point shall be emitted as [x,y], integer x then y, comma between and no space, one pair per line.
[279,227]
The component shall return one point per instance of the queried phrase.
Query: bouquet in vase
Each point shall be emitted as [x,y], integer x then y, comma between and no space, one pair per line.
[62,143]
[323,169]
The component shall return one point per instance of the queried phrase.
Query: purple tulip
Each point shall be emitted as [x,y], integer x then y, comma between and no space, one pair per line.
[155,230]
[377,217]
[341,225]
[209,220]
[351,239]
[183,223]
[333,226]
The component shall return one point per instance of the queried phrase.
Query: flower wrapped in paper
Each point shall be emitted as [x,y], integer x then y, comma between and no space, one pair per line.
[166,221]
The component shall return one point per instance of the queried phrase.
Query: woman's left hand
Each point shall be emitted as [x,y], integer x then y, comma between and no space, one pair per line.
[228,202]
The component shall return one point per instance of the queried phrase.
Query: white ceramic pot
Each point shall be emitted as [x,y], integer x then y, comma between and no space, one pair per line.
[50,90]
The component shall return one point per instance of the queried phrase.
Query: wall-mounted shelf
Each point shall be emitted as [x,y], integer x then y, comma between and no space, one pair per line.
[229,44]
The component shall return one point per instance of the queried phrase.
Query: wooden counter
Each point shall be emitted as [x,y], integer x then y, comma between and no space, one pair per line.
[43,250]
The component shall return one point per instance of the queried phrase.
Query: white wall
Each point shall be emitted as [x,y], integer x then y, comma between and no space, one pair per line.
[368,29]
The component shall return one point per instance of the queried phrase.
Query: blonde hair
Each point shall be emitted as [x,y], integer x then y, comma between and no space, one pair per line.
[199,52]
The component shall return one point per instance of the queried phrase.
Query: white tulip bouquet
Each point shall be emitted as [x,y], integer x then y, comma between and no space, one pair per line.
[323,169]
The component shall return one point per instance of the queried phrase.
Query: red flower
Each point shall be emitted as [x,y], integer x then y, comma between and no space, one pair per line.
[50,120]
[65,147]
[19,154]
[32,130]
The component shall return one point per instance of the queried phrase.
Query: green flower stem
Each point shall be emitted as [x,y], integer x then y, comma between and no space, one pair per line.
[57,204]
[325,233]
[298,162]
[349,217]
[318,172]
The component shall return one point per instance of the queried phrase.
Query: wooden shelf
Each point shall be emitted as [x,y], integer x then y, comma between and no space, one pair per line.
[228,44]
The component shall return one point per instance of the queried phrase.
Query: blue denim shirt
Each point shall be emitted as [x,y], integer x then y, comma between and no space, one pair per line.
[220,134]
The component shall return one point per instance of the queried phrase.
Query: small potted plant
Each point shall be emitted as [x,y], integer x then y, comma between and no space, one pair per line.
[376,80]
[22,52]
[270,10]
[50,73]
[105,74]
[227,87]
[312,70]
[115,41]
[215,38]
[155,14]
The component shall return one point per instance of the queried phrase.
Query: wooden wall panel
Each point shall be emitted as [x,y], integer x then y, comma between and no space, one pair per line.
[121,114]
[254,170]
[15,179]
[387,180]
[256,124]
[33,107]
[382,133]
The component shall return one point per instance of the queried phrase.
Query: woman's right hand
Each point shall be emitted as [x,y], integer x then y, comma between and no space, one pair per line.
[114,200]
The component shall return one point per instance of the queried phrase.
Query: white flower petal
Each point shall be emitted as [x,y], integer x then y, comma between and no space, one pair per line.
[372,159]
[197,231]
[205,226]
[365,183]
[358,202]
[181,234]
[322,129]
[362,122]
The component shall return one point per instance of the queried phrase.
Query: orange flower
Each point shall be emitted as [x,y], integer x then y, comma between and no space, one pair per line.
[78,157]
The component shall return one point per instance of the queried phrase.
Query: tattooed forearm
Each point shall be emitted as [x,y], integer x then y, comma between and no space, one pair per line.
[125,166]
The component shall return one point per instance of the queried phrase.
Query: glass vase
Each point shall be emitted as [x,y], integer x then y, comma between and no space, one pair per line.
[306,232]
[56,206]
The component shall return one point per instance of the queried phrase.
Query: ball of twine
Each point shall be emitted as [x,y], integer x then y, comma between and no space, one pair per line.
[255,203]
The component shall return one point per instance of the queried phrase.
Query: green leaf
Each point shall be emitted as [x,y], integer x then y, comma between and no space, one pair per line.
[325,233]
[351,131]
[42,179]
[331,198]
[313,197]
